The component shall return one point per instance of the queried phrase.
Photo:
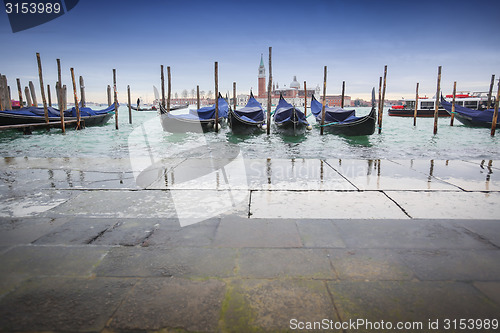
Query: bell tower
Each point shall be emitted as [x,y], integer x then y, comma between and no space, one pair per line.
[262,78]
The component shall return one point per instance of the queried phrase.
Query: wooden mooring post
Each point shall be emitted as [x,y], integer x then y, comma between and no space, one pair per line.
[169,87]
[436,106]
[82,92]
[305,99]
[129,106]
[2,93]
[324,104]
[5,98]
[269,86]
[33,94]
[76,99]
[59,87]
[381,114]
[490,93]
[416,107]
[42,89]
[216,97]
[108,90]
[28,97]
[343,94]
[379,99]
[48,95]
[115,98]
[495,113]
[453,103]
[197,97]
[162,87]
[234,95]
[19,91]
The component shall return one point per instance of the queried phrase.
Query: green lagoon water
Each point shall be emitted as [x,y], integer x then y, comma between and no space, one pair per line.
[399,140]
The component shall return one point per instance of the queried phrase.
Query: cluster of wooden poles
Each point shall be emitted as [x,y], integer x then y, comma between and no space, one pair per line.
[61,93]
[438,94]
[269,86]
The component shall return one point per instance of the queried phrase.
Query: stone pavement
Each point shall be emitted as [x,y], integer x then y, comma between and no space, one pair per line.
[264,246]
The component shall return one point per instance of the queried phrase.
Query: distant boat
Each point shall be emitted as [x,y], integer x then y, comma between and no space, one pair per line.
[288,119]
[470,117]
[426,107]
[152,108]
[34,115]
[248,119]
[201,120]
[342,121]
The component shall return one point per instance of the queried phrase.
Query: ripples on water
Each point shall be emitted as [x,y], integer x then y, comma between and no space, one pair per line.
[399,140]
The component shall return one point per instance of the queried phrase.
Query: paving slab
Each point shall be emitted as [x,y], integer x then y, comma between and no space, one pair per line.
[369,265]
[127,232]
[448,205]
[174,303]
[237,232]
[178,262]
[463,174]
[62,304]
[285,263]
[188,206]
[490,290]
[323,205]
[319,234]
[407,234]
[201,234]
[386,175]
[487,230]
[52,260]
[459,265]
[273,305]
[77,231]
[294,174]
[417,303]
[16,231]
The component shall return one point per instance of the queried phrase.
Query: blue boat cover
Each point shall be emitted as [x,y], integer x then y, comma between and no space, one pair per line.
[86,112]
[476,116]
[284,113]
[208,112]
[252,112]
[337,115]
[55,113]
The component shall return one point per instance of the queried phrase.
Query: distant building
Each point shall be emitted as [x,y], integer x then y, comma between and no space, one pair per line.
[262,79]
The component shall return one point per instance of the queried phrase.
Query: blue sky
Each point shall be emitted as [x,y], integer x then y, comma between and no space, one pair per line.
[355,39]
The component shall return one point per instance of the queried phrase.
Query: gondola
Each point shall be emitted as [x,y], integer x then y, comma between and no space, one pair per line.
[199,121]
[470,117]
[345,122]
[34,115]
[288,119]
[248,119]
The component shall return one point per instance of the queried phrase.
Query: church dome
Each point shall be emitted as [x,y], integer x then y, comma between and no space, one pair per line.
[295,84]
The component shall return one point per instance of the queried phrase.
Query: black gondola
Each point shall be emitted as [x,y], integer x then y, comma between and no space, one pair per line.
[345,122]
[471,117]
[248,119]
[288,119]
[198,121]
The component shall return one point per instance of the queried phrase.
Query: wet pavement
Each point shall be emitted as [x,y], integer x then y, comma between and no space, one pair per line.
[241,245]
